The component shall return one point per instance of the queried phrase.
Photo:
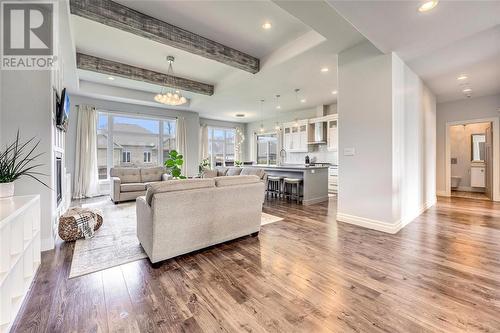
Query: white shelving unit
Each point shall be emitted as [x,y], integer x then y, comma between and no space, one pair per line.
[19,253]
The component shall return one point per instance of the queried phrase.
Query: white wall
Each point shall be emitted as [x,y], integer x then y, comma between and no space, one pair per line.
[414,143]
[365,124]
[192,127]
[318,153]
[462,110]
[26,102]
[388,116]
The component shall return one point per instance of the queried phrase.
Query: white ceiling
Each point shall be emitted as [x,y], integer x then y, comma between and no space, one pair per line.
[455,37]
[291,54]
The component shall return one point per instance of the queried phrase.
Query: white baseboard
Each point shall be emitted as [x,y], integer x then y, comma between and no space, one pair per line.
[442,194]
[387,227]
[368,223]
[315,201]
[471,189]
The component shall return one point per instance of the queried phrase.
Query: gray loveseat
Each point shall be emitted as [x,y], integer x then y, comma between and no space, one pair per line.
[181,216]
[130,183]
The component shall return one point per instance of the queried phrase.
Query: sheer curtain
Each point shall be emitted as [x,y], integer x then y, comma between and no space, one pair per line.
[203,142]
[238,140]
[85,179]
[181,142]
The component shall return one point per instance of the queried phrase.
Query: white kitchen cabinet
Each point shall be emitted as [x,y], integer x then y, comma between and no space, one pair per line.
[477,176]
[332,134]
[295,136]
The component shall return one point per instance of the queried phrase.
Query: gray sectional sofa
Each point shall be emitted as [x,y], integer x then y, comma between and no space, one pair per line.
[235,171]
[181,216]
[130,183]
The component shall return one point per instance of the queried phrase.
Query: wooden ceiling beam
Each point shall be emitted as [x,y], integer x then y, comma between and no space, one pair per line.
[121,17]
[113,68]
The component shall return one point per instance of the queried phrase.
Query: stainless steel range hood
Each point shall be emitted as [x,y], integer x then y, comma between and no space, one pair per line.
[318,126]
[319,133]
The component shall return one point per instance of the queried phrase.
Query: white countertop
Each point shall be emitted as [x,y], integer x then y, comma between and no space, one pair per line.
[10,207]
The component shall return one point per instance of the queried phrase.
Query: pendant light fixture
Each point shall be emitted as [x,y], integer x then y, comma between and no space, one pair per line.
[278,105]
[261,129]
[170,96]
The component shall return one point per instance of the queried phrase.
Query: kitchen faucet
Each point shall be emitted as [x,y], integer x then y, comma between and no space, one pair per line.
[282,156]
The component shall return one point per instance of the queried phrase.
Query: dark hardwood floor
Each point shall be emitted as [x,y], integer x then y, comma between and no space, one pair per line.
[307,273]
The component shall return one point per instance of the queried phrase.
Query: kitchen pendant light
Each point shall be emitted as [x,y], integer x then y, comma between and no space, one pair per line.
[170,96]
[278,105]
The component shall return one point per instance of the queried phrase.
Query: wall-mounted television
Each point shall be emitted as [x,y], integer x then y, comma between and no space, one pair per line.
[63,111]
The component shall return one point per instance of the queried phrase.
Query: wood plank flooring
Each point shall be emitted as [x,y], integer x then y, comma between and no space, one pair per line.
[307,273]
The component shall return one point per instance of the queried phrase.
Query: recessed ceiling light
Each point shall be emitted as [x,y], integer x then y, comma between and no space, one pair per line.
[303,100]
[278,107]
[334,92]
[324,69]
[428,5]
[267,26]
[240,115]
[467,90]
[462,77]
[111,78]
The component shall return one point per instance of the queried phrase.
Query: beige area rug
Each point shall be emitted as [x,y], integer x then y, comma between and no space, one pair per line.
[116,243]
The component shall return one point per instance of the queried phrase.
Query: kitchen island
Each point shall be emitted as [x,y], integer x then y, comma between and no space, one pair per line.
[314,179]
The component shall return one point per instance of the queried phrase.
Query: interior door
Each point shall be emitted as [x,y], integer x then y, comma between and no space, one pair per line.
[489,162]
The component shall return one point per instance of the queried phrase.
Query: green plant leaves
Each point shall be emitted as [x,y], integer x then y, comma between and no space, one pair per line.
[174,162]
[17,161]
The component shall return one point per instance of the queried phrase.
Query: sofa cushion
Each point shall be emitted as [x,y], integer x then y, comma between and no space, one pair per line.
[209,173]
[252,171]
[233,171]
[221,171]
[178,185]
[132,187]
[235,180]
[152,174]
[126,175]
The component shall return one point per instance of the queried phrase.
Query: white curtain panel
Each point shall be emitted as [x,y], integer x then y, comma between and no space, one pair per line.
[181,142]
[203,142]
[86,178]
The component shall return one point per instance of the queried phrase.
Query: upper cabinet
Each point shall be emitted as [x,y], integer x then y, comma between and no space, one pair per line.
[295,136]
[332,133]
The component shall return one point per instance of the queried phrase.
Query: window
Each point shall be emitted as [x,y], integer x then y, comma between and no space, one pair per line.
[132,141]
[168,137]
[147,157]
[126,157]
[267,148]
[221,145]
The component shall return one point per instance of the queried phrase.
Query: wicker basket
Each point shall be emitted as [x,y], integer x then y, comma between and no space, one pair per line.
[68,230]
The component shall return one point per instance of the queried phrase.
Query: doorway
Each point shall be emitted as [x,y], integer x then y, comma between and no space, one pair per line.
[471,163]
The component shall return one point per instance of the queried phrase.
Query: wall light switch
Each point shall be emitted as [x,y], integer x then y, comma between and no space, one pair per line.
[349,151]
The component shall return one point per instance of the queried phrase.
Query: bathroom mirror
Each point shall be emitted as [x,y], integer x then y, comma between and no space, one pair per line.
[478,142]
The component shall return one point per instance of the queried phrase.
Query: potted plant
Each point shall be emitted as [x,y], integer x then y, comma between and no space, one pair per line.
[17,160]
[238,164]
[174,163]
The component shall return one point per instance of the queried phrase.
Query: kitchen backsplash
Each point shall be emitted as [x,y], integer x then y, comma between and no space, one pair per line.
[318,154]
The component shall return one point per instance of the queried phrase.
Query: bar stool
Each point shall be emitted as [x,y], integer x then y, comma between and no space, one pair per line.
[291,184]
[273,186]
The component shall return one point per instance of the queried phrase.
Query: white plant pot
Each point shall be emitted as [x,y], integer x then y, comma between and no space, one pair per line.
[6,190]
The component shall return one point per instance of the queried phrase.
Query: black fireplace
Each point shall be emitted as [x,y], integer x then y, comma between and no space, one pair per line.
[59,179]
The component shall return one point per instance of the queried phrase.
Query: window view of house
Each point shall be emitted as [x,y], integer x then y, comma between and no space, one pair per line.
[132,141]
[221,145]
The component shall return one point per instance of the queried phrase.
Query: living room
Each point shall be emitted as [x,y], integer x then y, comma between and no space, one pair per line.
[246,165]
